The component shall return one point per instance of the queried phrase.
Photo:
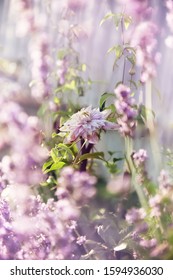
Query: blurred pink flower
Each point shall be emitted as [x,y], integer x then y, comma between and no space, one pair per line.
[126,112]
[145,42]
[135,215]
[120,184]
[148,243]
[136,8]
[76,5]
[144,36]
[164,180]
[140,157]
[87,124]
[169,20]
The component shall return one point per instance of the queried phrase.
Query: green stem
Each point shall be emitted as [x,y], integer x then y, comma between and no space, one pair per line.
[138,188]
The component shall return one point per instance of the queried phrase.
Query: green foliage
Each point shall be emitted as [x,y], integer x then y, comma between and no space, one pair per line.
[60,156]
[144,114]
[96,155]
[103,99]
[117,19]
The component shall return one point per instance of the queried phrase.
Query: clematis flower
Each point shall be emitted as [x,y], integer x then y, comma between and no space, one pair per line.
[87,124]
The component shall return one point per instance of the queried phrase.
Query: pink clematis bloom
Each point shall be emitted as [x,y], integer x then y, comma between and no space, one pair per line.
[87,124]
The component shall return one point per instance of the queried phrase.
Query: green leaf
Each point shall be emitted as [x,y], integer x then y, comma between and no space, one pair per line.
[131,50]
[106,17]
[97,155]
[111,49]
[66,148]
[118,51]
[132,59]
[127,21]
[112,108]
[135,85]
[56,100]
[112,167]
[54,134]
[55,166]
[146,113]
[55,155]
[117,159]
[59,89]
[46,165]
[70,86]
[103,98]
[62,53]
[83,67]
[111,153]
[117,20]
[117,84]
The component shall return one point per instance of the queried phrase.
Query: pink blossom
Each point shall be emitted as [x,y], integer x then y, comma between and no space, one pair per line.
[148,243]
[144,36]
[164,180]
[140,157]
[81,240]
[126,113]
[135,215]
[87,124]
